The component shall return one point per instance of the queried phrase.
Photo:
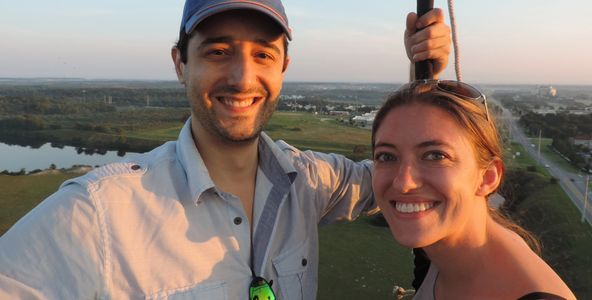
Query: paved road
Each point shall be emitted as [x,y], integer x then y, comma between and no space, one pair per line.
[574,184]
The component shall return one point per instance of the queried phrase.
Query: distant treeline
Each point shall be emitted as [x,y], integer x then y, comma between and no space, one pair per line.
[25,122]
[368,94]
[44,106]
[561,127]
[85,143]
[33,122]
[68,101]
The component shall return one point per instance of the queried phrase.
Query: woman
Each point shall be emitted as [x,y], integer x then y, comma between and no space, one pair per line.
[437,159]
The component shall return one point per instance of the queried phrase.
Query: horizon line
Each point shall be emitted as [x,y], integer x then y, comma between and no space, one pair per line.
[40,78]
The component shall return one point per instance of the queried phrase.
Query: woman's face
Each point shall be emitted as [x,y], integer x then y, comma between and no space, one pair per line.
[426,177]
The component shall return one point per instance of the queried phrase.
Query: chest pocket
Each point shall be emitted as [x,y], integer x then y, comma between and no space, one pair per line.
[291,268]
[208,291]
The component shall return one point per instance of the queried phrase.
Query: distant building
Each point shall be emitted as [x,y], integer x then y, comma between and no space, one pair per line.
[310,107]
[547,91]
[365,120]
[580,112]
[291,97]
[339,113]
[544,111]
[583,140]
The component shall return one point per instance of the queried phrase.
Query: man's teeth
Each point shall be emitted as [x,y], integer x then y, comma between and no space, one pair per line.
[409,208]
[243,103]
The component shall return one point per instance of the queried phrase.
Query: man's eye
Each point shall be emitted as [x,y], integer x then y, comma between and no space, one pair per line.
[217,52]
[435,156]
[383,157]
[263,55]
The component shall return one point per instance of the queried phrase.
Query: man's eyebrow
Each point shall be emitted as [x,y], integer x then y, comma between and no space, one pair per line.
[267,44]
[215,40]
[228,40]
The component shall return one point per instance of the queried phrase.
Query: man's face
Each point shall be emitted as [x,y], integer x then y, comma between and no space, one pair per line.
[233,75]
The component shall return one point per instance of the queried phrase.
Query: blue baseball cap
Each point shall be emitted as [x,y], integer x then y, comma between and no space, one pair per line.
[196,11]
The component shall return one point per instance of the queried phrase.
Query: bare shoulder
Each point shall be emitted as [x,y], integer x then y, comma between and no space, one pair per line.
[529,272]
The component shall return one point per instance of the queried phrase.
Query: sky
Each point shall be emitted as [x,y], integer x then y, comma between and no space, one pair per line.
[501,42]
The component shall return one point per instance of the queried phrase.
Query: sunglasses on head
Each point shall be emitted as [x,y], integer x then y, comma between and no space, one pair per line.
[458,89]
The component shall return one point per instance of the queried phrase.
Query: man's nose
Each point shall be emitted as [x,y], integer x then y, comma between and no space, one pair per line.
[242,72]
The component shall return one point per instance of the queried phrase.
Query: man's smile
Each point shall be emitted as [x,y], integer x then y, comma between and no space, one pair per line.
[238,102]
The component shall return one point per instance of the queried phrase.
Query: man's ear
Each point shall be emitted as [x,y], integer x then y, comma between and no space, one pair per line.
[179,65]
[286,63]
[491,178]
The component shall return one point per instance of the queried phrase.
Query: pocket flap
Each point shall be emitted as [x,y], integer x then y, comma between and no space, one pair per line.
[293,261]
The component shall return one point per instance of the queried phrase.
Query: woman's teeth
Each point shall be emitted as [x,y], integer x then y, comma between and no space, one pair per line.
[408,208]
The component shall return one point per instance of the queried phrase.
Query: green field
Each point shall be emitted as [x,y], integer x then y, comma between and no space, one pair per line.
[321,133]
[513,160]
[552,155]
[19,194]
[359,260]
[302,130]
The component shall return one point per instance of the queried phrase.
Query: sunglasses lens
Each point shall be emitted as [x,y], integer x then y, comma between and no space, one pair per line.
[260,289]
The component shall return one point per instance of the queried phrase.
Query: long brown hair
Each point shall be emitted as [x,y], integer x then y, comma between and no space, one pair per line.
[474,119]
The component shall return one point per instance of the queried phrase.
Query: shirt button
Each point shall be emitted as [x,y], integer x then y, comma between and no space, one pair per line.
[304,262]
[238,220]
[135,167]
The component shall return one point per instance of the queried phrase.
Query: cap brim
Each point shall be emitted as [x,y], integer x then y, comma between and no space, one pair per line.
[197,18]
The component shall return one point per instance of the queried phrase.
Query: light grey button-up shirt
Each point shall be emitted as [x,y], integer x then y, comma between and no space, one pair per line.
[157,227]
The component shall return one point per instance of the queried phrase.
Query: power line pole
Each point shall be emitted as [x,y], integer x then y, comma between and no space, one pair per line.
[539,152]
[585,199]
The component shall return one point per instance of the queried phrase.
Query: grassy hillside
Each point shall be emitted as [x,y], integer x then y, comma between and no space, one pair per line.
[547,211]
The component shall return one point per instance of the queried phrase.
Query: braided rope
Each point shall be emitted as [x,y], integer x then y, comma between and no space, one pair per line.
[457,67]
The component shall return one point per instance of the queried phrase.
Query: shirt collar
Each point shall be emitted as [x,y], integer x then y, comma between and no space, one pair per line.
[198,177]
[272,161]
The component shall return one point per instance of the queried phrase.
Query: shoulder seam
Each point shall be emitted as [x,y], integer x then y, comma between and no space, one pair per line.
[105,242]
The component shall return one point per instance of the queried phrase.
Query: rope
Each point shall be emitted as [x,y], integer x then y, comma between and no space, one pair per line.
[457,68]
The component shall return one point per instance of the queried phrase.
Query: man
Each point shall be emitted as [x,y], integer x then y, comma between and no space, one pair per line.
[202,217]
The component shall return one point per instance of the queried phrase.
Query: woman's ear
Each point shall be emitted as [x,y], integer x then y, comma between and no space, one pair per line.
[491,178]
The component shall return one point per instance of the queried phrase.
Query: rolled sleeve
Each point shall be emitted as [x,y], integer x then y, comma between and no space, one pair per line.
[342,187]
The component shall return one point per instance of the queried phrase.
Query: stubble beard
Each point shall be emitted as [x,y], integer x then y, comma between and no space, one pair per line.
[211,123]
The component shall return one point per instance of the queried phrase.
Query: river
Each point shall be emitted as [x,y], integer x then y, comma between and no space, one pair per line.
[13,158]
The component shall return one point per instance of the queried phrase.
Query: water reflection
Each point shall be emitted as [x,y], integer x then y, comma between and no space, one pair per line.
[41,155]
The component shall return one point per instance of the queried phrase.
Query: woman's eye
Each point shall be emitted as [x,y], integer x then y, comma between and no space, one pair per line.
[435,156]
[382,157]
